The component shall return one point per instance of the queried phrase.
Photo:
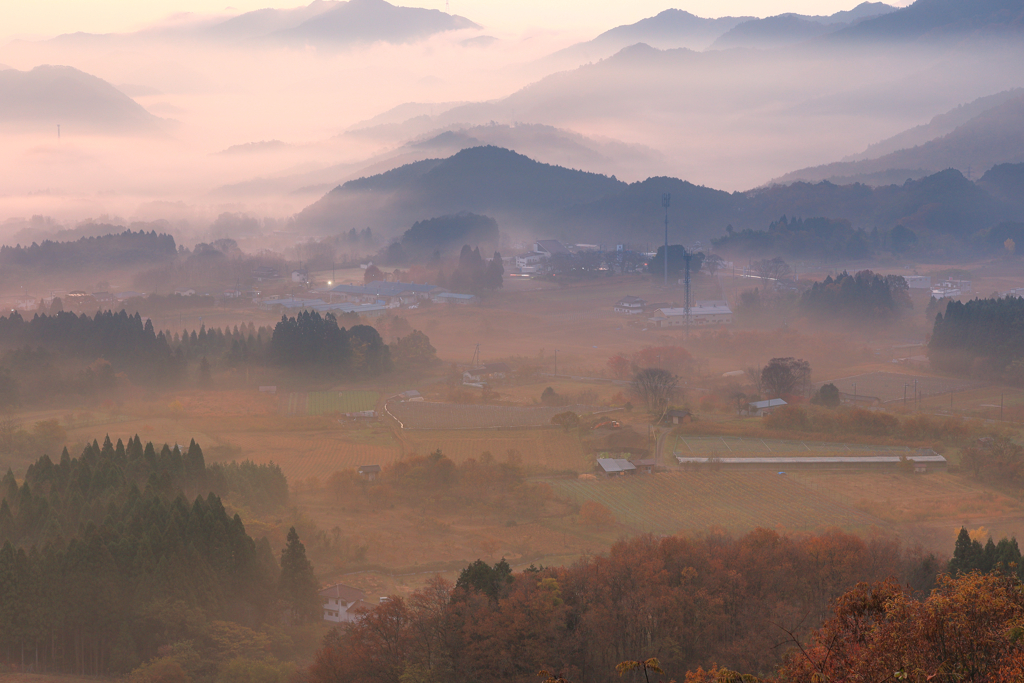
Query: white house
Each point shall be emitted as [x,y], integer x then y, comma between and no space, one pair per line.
[341,603]
[188,291]
[630,305]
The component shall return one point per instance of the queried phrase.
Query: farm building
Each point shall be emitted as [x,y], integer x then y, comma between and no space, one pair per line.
[762,408]
[645,465]
[341,601]
[370,472]
[701,314]
[485,373]
[921,462]
[618,466]
[630,305]
[677,416]
[454,299]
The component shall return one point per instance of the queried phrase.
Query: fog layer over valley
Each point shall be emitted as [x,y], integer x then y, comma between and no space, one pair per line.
[298,107]
[360,343]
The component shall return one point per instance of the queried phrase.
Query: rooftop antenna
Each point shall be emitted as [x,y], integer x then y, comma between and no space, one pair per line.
[665,199]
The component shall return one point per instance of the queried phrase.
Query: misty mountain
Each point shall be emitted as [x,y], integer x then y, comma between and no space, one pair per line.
[546,144]
[788,29]
[772,32]
[987,132]
[322,23]
[479,180]
[368,21]
[544,200]
[51,95]
[676,28]
[672,28]
[770,111]
[941,20]
[266,21]
[1005,182]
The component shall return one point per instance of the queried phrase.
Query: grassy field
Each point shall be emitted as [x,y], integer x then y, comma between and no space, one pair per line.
[327,402]
[674,502]
[546,449]
[982,402]
[424,415]
[890,386]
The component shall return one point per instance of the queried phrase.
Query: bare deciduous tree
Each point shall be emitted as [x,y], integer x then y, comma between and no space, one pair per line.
[785,376]
[656,388]
[772,269]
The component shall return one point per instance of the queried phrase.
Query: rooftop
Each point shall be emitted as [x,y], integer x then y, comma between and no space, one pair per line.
[342,592]
[770,403]
[696,310]
[385,288]
[615,465]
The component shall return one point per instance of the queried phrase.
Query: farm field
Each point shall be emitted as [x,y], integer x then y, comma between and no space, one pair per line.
[674,502]
[888,387]
[314,454]
[427,415]
[982,402]
[929,509]
[538,449]
[736,446]
[325,402]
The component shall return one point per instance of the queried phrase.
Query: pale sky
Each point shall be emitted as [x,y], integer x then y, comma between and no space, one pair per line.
[45,18]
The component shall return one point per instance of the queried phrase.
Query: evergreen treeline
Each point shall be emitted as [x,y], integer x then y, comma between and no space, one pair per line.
[105,561]
[119,249]
[971,556]
[865,295]
[826,238]
[312,340]
[440,236]
[474,273]
[32,367]
[983,335]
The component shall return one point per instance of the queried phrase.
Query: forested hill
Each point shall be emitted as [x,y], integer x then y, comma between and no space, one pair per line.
[577,206]
[124,553]
[116,249]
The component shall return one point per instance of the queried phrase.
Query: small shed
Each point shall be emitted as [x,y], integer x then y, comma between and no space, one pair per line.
[617,466]
[371,472]
[761,408]
[645,465]
[677,416]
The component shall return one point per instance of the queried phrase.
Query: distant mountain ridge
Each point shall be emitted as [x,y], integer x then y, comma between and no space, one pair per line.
[675,28]
[972,137]
[322,23]
[579,206]
[50,95]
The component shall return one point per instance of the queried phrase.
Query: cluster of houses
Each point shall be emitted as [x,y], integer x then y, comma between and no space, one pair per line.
[701,314]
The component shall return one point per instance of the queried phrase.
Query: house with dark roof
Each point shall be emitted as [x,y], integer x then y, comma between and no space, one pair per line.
[341,603]
[370,472]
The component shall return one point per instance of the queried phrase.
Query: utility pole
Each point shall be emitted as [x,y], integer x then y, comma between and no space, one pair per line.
[687,254]
[665,199]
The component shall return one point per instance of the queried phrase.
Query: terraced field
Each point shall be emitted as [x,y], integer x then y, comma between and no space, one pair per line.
[426,415]
[548,449]
[324,402]
[671,502]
